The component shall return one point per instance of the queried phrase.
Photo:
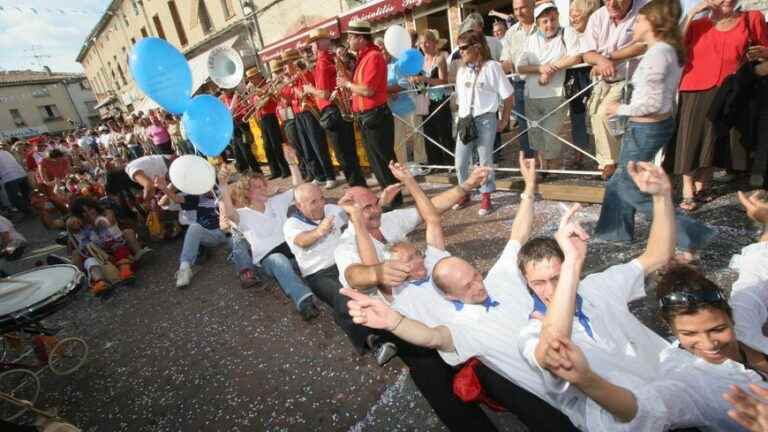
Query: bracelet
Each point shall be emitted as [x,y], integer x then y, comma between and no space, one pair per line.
[463,189]
[402,317]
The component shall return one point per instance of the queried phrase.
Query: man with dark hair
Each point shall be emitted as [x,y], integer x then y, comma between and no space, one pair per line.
[368,86]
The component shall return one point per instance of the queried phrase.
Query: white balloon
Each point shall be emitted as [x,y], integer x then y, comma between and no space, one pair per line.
[192,174]
[397,40]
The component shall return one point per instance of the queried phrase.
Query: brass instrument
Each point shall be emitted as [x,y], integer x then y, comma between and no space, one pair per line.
[305,102]
[341,96]
[272,90]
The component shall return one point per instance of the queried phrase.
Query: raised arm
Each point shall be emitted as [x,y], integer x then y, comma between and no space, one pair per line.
[293,164]
[226,195]
[373,313]
[757,210]
[652,180]
[424,205]
[523,223]
[447,199]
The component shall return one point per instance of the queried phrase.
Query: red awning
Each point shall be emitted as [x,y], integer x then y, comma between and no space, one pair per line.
[273,50]
[378,10]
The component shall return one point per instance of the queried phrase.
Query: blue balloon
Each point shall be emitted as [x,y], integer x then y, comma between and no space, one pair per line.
[411,62]
[208,124]
[162,73]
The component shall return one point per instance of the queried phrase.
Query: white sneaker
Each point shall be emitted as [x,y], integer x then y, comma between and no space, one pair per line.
[756,180]
[330,184]
[183,277]
[316,181]
[141,253]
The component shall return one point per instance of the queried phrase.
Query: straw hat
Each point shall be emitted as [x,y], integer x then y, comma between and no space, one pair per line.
[291,54]
[252,72]
[317,34]
[276,64]
[434,35]
[361,27]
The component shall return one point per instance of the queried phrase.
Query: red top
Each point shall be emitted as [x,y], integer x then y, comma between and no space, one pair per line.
[325,76]
[298,86]
[286,96]
[269,108]
[55,168]
[228,100]
[713,54]
[371,71]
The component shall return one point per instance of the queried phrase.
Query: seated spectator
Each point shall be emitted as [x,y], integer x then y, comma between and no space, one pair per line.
[12,243]
[261,221]
[47,205]
[241,257]
[53,169]
[145,169]
[544,85]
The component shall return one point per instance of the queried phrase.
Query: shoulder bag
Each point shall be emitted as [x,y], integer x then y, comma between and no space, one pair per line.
[466,127]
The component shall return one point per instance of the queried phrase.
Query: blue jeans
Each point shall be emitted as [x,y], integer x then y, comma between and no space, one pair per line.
[579,129]
[486,134]
[241,253]
[522,124]
[622,199]
[282,268]
[197,236]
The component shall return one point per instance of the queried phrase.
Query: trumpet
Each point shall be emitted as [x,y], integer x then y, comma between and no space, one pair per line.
[341,96]
[272,90]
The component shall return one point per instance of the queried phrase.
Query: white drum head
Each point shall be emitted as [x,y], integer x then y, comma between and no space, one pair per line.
[25,289]
[225,67]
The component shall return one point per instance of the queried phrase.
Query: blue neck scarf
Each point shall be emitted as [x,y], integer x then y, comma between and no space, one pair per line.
[488,303]
[300,216]
[419,282]
[539,306]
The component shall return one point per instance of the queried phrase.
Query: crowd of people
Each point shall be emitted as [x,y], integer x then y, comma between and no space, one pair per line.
[542,342]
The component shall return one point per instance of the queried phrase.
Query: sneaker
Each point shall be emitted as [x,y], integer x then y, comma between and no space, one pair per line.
[330,184]
[485,204]
[308,310]
[145,250]
[98,287]
[248,279]
[462,203]
[183,277]
[384,353]
[316,181]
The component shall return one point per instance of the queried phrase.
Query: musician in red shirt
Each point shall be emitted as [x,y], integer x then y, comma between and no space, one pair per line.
[311,134]
[263,105]
[369,103]
[241,135]
[329,99]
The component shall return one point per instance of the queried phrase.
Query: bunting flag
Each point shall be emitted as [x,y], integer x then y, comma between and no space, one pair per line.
[47,10]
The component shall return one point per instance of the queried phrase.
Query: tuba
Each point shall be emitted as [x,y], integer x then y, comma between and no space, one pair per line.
[341,96]
[225,67]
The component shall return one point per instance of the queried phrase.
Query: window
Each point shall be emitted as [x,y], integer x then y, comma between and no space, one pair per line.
[226,6]
[144,32]
[122,76]
[158,27]
[18,120]
[40,92]
[133,41]
[135,5]
[49,112]
[177,23]
[204,17]
[85,85]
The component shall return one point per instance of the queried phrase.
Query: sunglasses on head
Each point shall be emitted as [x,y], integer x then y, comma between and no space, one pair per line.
[689,299]
[465,47]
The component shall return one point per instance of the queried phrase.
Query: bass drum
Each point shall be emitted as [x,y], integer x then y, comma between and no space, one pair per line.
[32,295]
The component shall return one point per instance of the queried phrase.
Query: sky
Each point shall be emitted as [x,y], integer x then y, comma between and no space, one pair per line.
[59,36]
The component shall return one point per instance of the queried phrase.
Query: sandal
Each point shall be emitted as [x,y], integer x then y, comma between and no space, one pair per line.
[689,205]
[704,196]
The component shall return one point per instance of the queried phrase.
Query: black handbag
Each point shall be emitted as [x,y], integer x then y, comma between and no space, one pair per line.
[466,127]
[330,117]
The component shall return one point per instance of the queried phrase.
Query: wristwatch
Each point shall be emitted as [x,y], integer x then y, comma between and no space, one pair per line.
[524,195]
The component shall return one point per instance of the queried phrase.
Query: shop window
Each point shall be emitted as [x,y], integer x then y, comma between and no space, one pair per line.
[18,120]
[49,112]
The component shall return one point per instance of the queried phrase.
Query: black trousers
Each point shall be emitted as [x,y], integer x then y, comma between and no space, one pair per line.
[18,193]
[377,127]
[312,137]
[241,145]
[273,140]
[325,285]
[439,128]
[292,136]
[533,412]
[342,136]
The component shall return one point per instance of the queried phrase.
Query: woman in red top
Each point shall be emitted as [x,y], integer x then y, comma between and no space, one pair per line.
[717,45]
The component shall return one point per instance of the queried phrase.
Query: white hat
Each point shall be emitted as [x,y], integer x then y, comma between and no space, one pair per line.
[541,8]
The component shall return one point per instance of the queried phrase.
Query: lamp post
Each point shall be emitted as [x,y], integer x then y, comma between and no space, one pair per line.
[249,11]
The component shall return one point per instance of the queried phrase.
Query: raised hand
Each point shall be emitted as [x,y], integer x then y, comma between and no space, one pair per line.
[571,237]
[389,193]
[326,226]
[400,172]
[225,173]
[748,410]
[574,366]
[478,177]
[649,178]
[755,206]
[290,154]
[528,170]
[392,273]
[370,312]
[347,202]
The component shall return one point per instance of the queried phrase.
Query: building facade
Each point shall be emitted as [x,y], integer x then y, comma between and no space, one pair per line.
[44,102]
[194,27]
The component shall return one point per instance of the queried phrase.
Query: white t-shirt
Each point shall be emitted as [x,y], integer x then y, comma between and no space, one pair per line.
[514,42]
[319,256]
[491,87]
[264,231]
[540,50]
[153,166]
[495,46]
[6,226]
[10,168]
[749,295]
[625,354]
[395,226]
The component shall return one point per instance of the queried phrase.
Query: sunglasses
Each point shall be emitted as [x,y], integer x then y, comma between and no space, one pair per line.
[465,47]
[689,299]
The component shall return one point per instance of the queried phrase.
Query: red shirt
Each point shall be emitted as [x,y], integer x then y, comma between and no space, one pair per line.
[227,99]
[325,76]
[55,168]
[269,108]
[298,86]
[714,54]
[286,97]
[371,71]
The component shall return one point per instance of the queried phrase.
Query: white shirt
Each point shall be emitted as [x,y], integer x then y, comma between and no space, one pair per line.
[153,166]
[573,41]
[10,168]
[749,295]
[264,230]
[491,85]
[540,50]
[654,82]
[625,354]
[6,226]
[421,301]
[319,256]
[395,226]
[495,46]
[514,42]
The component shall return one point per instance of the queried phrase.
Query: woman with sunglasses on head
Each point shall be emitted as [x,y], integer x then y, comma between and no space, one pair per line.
[480,86]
